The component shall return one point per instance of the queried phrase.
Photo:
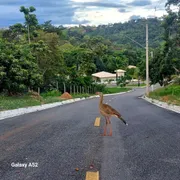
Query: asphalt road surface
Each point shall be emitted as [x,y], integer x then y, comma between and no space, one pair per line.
[59,140]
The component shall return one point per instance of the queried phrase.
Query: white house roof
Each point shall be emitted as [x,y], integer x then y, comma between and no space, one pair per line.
[104,74]
[131,66]
[119,70]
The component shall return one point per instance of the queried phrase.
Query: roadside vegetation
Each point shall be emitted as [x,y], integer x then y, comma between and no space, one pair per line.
[136,85]
[111,90]
[45,58]
[169,94]
[27,100]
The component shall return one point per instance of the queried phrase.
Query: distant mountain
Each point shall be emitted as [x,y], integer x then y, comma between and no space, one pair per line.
[119,33]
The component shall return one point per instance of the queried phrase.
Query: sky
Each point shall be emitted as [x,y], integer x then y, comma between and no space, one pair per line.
[86,12]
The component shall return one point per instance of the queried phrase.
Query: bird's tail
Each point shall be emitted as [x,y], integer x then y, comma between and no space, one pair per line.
[123,121]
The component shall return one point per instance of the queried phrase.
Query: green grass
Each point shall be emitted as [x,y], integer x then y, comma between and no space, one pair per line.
[134,85]
[51,99]
[53,93]
[14,102]
[80,95]
[111,90]
[169,94]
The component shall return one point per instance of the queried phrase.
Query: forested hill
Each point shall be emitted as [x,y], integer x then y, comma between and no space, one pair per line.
[40,55]
[135,29]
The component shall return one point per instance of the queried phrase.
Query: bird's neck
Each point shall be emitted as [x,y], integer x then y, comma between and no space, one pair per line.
[101,100]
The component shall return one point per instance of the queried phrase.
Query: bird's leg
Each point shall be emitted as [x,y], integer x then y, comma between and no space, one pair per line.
[105,127]
[110,126]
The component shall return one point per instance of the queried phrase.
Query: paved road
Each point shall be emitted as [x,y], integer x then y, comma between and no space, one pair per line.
[64,138]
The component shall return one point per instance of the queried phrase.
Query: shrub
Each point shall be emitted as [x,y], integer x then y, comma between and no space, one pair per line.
[99,87]
[169,90]
[177,80]
[52,93]
[121,81]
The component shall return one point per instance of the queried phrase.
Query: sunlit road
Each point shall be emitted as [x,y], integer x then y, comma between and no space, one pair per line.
[64,138]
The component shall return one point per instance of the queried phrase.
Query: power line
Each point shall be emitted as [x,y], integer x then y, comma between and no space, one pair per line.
[147,57]
[157,6]
[134,41]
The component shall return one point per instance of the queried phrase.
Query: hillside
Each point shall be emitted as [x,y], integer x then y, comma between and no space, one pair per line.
[116,33]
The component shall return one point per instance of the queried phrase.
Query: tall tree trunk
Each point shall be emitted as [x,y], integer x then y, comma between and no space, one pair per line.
[29,34]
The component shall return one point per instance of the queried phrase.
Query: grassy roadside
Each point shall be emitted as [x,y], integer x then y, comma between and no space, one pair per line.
[169,94]
[14,102]
[81,95]
[111,90]
[132,85]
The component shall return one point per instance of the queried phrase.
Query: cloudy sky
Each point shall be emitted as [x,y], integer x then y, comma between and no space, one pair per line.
[74,12]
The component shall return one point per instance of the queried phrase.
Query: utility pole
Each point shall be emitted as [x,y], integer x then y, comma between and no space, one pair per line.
[147,58]
[147,62]
[28,29]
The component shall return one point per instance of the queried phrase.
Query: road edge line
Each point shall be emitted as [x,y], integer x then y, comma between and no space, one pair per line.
[161,104]
[21,111]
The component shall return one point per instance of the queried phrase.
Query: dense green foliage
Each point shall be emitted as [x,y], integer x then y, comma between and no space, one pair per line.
[118,33]
[166,61]
[18,67]
[169,94]
[36,55]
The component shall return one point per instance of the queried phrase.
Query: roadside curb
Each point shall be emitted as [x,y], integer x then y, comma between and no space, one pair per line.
[138,87]
[162,104]
[118,93]
[21,111]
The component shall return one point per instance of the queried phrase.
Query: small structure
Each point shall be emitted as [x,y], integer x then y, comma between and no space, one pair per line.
[120,72]
[104,77]
[131,67]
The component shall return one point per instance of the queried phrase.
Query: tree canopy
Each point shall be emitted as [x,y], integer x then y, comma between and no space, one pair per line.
[39,55]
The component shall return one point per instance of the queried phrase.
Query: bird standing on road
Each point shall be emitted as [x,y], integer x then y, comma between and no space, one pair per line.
[107,111]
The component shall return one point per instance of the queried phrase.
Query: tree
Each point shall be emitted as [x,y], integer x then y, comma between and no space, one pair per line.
[99,49]
[142,69]
[155,68]
[18,68]
[48,56]
[80,59]
[66,55]
[31,21]
[173,2]
[14,32]
[48,27]
[121,81]
[166,60]
[114,62]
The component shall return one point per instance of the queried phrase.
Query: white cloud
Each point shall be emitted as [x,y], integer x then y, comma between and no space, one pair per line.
[82,1]
[72,12]
[98,15]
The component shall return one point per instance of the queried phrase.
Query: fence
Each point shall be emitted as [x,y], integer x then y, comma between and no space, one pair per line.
[72,89]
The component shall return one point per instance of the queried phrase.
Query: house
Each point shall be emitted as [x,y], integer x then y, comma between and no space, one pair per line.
[120,72]
[131,67]
[104,77]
